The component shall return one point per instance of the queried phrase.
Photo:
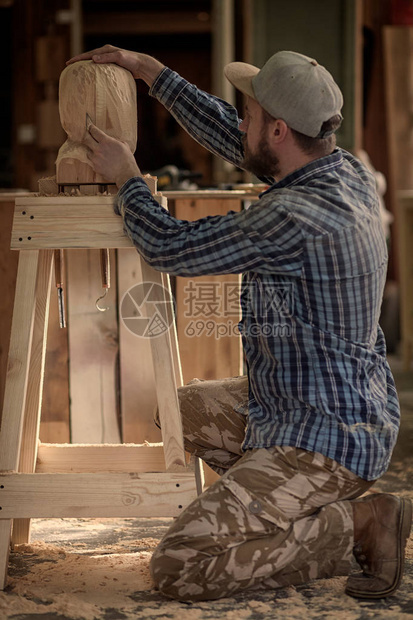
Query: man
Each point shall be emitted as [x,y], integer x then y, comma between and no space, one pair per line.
[321,414]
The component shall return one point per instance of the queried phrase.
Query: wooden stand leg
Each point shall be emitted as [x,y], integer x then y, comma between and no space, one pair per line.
[16,383]
[165,379]
[5,534]
[31,425]
[173,337]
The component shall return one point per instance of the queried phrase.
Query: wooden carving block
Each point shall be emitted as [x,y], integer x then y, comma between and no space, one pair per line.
[107,94]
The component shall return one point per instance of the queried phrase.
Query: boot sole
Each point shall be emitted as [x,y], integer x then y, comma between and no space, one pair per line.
[405,524]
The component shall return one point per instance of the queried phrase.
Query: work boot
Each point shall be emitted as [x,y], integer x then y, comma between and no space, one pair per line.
[382,525]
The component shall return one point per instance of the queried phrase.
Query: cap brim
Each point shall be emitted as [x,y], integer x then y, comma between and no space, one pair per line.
[240,75]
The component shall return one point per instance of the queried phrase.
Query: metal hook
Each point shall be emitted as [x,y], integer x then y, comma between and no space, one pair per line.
[98,300]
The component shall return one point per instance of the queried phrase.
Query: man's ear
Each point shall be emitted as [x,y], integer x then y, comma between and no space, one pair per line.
[279,130]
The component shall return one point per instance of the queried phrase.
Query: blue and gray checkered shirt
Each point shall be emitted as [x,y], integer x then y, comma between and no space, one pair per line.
[313,258]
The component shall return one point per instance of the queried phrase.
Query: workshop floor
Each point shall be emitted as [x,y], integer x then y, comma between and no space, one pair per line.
[98,569]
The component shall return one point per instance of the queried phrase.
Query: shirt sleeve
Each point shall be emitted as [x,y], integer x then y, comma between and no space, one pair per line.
[212,122]
[209,120]
[261,239]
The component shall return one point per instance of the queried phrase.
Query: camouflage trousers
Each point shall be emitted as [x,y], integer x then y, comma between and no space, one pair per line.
[277,516]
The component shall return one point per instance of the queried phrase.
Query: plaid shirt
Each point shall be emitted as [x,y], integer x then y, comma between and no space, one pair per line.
[313,258]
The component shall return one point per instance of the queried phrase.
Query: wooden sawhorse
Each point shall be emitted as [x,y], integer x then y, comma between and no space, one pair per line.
[79,480]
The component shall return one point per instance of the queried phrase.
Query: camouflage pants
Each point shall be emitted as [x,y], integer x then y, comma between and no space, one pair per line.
[278,516]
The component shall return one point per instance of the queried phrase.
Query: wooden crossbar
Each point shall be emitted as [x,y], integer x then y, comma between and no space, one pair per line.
[95,495]
[71,458]
[42,222]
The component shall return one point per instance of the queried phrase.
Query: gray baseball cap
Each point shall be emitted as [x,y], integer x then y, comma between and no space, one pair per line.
[292,87]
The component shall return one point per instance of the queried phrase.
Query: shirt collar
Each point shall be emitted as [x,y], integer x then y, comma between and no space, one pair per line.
[314,168]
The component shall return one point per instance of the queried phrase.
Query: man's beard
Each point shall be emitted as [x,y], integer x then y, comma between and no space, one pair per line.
[263,163]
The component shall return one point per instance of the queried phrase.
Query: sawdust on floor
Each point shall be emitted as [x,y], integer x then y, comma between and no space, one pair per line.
[98,579]
[75,584]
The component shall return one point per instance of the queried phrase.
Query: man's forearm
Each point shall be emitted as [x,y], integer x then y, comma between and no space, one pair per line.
[212,245]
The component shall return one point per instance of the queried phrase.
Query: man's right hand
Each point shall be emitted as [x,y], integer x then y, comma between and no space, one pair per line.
[141,66]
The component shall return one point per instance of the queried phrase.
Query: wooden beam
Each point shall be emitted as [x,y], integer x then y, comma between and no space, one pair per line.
[54,421]
[164,360]
[31,423]
[93,350]
[95,495]
[8,269]
[18,362]
[84,458]
[16,384]
[5,536]
[67,222]
[137,377]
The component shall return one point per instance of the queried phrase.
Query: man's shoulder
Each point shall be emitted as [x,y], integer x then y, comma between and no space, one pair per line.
[321,205]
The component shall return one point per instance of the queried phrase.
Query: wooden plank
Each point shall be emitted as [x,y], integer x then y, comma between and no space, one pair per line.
[199,465]
[16,384]
[137,379]
[55,418]
[200,468]
[67,222]
[36,368]
[18,362]
[5,535]
[93,350]
[398,50]
[72,458]
[405,217]
[8,269]
[30,435]
[165,378]
[55,431]
[208,308]
[95,495]
[173,334]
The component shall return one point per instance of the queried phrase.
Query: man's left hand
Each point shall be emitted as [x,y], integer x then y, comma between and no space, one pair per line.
[109,157]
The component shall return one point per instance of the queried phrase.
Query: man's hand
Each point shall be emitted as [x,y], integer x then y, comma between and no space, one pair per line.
[140,65]
[109,157]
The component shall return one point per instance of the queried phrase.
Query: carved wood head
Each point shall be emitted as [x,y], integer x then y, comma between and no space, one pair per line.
[107,93]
